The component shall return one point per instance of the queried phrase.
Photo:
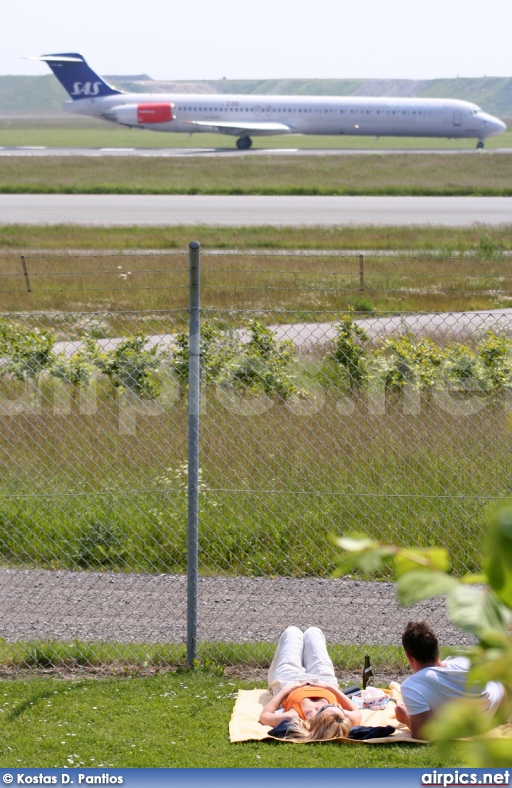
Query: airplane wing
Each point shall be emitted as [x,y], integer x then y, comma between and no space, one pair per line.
[234,128]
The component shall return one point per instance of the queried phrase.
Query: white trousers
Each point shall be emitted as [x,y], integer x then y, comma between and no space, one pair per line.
[301,656]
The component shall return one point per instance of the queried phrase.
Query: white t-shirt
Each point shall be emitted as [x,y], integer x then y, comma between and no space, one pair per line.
[430,687]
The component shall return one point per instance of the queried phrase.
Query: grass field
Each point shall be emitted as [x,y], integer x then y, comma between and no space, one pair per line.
[443,280]
[176,720]
[401,174]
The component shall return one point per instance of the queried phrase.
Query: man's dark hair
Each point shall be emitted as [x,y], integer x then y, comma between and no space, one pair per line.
[419,641]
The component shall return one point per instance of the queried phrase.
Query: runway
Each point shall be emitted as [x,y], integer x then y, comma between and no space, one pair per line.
[233,211]
[225,152]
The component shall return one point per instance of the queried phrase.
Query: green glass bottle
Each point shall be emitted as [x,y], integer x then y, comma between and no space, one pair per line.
[367,672]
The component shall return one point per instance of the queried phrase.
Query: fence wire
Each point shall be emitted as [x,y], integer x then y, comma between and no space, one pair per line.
[391,424]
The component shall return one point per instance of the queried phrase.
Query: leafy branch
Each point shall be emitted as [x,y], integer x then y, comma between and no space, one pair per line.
[477,603]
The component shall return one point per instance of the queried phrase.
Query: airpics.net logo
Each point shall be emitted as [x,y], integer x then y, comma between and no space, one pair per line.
[457,778]
[86,89]
[61,399]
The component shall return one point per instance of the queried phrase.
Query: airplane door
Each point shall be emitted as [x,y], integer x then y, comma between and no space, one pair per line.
[456,118]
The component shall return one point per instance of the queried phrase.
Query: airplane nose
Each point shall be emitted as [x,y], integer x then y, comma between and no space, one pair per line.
[495,125]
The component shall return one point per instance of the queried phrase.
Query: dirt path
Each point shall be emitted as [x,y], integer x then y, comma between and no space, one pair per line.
[128,608]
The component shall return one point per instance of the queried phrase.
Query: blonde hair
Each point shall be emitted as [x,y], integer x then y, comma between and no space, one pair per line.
[328,725]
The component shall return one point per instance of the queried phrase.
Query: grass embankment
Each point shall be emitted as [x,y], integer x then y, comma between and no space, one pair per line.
[175,720]
[421,174]
[68,131]
[300,283]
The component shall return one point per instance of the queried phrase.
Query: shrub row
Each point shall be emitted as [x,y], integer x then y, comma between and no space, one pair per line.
[251,360]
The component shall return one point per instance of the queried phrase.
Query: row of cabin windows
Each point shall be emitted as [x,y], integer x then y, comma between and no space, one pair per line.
[326,111]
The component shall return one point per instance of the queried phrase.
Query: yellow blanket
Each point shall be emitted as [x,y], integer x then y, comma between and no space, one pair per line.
[244,723]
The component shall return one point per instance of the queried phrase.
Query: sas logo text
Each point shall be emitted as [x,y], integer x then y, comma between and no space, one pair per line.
[86,89]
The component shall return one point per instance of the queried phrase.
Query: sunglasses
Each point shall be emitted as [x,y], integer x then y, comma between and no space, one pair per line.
[329,706]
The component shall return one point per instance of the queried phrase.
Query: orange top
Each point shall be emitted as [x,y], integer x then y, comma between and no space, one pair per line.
[296,696]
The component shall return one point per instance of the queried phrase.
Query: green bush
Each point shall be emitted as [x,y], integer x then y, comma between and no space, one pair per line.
[27,353]
[101,545]
[349,350]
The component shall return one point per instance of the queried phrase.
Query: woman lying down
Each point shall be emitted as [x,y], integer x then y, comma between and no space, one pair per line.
[305,689]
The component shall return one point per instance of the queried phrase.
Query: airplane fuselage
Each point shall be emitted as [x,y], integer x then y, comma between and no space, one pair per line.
[360,116]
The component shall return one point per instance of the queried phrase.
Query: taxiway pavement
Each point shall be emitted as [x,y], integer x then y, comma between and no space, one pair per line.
[242,210]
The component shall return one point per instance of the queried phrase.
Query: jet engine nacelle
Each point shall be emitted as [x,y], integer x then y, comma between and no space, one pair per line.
[141,114]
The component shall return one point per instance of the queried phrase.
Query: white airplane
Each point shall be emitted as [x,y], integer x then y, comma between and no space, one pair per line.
[250,116]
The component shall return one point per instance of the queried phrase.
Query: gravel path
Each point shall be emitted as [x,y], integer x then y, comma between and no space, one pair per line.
[132,608]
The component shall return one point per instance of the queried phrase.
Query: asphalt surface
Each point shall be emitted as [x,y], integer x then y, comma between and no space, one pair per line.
[166,210]
[36,150]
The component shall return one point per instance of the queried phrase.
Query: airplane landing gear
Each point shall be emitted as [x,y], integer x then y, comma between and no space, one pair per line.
[479,144]
[243,143]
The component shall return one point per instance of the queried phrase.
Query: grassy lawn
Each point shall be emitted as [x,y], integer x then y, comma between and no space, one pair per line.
[405,174]
[174,720]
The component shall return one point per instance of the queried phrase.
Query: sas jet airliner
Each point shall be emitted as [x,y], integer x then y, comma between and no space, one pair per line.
[250,116]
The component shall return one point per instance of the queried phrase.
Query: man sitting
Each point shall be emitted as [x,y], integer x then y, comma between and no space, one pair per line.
[437,681]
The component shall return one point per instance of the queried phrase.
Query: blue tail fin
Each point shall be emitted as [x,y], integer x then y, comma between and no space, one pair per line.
[76,77]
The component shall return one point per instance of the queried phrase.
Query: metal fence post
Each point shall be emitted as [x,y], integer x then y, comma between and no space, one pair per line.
[194,384]
[361,272]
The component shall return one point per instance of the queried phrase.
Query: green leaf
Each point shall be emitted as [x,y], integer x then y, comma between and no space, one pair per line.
[472,579]
[372,560]
[477,609]
[490,753]
[369,561]
[457,720]
[345,565]
[495,665]
[355,543]
[414,586]
[429,559]
[499,554]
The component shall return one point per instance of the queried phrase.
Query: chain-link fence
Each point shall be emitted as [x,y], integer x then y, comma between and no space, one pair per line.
[311,425]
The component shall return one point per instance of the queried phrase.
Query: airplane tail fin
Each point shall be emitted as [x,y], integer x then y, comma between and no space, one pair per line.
[76,76]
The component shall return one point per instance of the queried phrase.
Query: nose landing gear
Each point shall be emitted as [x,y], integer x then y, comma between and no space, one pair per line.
[480,144]
[243,143]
